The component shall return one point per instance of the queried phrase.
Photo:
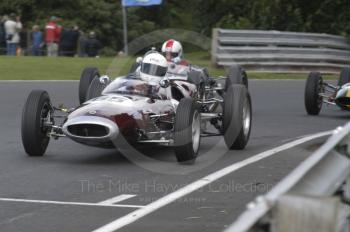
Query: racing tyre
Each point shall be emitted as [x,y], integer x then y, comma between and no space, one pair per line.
[237,117]
[312,98]
[86,78]
[36,110]
[95,89]
[344,76]
[236,75]
[187,131]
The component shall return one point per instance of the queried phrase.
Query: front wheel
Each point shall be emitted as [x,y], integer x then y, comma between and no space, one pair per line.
[95,89]
[187,131]
[36,114]
[236,75]
[312,99]
[237,117]
[87,76]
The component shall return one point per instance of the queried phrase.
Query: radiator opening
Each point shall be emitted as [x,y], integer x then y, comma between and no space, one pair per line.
[88,130]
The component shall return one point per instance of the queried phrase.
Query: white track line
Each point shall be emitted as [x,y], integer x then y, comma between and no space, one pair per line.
[68,203]
[116,199]
[139,213]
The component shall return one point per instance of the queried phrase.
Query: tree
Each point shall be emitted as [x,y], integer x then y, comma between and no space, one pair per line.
[105,16]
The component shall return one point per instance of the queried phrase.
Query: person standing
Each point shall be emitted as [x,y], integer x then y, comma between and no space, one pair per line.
[37,41]
[12,27]
[3,19]
[53,33]
[82,44]
[69,41]
[23,42]
[92,45]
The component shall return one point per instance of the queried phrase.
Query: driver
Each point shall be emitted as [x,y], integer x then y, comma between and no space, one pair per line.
[153,69]
[172,50]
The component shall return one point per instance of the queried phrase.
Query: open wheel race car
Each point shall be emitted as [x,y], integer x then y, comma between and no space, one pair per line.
[174,112]
[318,92]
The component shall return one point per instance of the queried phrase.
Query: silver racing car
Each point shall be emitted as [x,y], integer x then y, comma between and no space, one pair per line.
[176,111]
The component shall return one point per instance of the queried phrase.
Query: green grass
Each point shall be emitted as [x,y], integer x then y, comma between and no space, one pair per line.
[63,68]
[47,68]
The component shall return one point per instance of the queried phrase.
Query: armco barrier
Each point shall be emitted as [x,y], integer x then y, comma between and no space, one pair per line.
[275,51]
[314,197]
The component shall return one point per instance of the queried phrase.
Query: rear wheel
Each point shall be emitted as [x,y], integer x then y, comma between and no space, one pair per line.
[36,113]
[187,131]
[344,77]
[86,78]
[236,75]
[313,100]
[95,89]
[237,117]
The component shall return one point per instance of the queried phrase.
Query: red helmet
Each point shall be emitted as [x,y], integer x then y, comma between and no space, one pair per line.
[172,49]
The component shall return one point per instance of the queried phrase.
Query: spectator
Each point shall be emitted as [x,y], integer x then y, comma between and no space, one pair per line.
[82,44]
[53,33]
[12,27]
[92,45]
[3,34]
[69,42]
[37,40]
[23,42]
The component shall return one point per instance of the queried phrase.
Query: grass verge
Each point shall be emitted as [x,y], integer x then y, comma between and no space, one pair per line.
[64,68]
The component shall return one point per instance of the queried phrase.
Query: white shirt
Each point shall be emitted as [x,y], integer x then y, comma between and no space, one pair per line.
[12,28]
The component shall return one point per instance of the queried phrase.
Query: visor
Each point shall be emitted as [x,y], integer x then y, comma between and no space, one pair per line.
[172,54]
[154,70]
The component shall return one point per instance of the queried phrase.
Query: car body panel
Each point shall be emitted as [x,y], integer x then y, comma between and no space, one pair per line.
[133,106]
[342,98]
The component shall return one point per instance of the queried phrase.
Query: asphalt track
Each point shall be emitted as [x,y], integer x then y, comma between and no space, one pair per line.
[67,189]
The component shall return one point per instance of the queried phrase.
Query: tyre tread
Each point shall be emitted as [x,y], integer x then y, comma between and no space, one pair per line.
[29,129]
[183,122]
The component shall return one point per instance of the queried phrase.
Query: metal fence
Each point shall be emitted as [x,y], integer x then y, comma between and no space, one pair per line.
[315,197]
[275,51]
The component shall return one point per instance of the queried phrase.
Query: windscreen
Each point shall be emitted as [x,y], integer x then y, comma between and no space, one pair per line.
[133,86]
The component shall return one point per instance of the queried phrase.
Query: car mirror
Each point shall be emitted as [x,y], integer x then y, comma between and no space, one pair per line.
[104,79]
[164,82]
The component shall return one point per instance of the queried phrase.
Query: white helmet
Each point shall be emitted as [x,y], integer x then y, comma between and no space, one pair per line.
[153,67]
[172,49]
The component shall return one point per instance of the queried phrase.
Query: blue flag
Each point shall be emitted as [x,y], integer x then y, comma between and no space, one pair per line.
[141,2]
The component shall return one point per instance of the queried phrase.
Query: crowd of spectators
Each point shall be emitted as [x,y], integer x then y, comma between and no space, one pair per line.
[53,40]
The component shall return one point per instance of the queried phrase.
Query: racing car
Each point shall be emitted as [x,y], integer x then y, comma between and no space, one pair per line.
[318,92]
[176,112]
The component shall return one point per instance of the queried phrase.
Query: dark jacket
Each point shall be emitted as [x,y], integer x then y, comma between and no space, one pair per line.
[69,42]
[92,47]
[2,38]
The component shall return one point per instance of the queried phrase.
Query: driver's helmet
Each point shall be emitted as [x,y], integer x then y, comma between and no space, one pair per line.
[172,50]
[153,67]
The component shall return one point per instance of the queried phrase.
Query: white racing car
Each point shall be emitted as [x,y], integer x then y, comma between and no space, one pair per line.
[175,111]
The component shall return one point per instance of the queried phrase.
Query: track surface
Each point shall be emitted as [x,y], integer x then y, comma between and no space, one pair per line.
[75,173]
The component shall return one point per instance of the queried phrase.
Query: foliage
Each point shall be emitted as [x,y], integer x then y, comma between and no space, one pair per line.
[105,16]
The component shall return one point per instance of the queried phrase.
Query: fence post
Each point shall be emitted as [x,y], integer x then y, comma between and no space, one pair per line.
[214,46]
